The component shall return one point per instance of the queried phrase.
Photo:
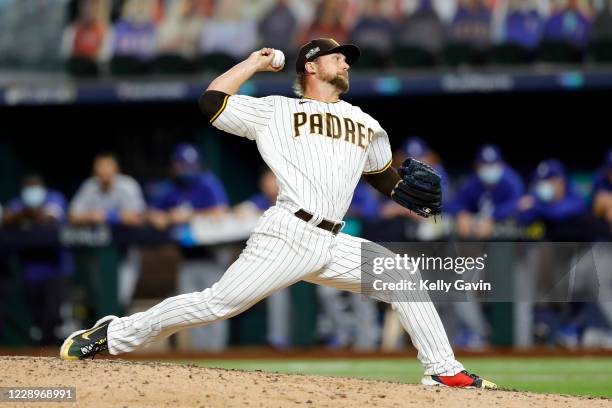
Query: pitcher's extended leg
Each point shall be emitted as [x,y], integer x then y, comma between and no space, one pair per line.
[418,315]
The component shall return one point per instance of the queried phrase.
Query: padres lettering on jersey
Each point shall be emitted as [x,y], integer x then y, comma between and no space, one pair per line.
[335,127]
[317,150]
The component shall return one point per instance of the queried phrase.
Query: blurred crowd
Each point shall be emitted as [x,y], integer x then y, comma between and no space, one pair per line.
[177,36]
[482,206]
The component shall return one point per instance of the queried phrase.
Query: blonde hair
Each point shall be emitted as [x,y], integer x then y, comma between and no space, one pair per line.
[299,84]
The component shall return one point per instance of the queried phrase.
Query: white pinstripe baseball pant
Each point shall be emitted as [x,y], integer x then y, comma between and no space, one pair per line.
[281,251]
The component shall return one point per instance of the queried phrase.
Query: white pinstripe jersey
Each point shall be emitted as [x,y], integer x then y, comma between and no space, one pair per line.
[317,150]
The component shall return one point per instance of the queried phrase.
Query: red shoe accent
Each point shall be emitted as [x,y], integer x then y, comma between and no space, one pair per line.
[458,380]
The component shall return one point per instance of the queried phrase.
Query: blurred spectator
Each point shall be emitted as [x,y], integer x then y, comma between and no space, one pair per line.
[230,31]
[328,22]
[278,26]
[552,198]
[554,201]
[523,24]
[471,24]
[44,269]
[87,36]
[602,190]
[193,193]
[134,34]
[423,28]
[114,199]
[179,33]
[108,197]
[568,23]
[489,195]
[374,29]
[602,25]
[31,32]
[279,303]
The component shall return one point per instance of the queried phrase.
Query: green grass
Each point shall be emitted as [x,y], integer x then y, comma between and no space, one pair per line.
[576,376]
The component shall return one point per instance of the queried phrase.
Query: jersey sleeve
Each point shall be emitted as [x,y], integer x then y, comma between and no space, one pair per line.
[243,115]
[379,153]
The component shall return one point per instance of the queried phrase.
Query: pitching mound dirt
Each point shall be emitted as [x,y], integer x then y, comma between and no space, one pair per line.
[116,383]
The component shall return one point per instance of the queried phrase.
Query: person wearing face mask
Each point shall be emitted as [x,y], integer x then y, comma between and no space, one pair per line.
[44,268]
[552,198]
[487,196]
[194,192]
[554,201]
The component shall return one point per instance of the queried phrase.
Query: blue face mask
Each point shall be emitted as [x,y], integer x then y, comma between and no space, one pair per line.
[545,191]
[33,196]
[490,174]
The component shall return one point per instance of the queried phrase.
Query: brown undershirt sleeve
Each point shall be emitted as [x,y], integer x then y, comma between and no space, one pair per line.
[384,181]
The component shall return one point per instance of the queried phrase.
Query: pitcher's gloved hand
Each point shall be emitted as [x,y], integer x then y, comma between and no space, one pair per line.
[419,189]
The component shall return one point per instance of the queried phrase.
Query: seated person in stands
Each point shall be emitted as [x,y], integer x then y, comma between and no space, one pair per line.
[523,24]
[423,28]
[179,32]
[230,31]
[489,195]
[108,197]
[471,24]
[374,30]
[135,33]
[44,268]
[278,27]
[569,23]
[87,36]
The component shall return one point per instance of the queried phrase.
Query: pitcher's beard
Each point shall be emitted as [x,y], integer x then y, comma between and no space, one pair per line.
[341,83]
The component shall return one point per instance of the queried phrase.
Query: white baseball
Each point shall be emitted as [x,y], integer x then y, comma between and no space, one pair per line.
[279,59]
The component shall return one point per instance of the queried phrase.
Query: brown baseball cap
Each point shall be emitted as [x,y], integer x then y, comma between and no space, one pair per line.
[323,46]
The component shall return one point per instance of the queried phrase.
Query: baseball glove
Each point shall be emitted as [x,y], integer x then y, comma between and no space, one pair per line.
[419,189]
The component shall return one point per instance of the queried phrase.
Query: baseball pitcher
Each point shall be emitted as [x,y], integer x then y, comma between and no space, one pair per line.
[318,146]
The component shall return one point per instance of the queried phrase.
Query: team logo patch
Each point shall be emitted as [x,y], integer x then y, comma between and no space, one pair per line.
[312,52]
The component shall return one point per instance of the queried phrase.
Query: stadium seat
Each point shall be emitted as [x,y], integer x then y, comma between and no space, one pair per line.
[172,64]
[217,62]
[455,54]
[508,54]
[601,50]
[559,52]
[82,67]
[413,57]
[124,65]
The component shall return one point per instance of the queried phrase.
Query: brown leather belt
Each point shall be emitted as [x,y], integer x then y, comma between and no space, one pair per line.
[327,225]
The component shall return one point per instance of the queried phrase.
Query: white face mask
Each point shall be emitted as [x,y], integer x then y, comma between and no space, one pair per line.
[545,191]
[490,174]
[33,196]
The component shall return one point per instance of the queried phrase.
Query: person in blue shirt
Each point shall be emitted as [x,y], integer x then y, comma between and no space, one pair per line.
[487,196]
[193,192]
[523,25]
[552,198]
[569,24]
[602,190]
[45,269]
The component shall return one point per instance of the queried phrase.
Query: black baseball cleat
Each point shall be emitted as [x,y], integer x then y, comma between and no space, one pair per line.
[462,379]
[87,343]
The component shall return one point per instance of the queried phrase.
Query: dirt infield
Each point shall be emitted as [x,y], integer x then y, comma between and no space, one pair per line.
[118,383]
